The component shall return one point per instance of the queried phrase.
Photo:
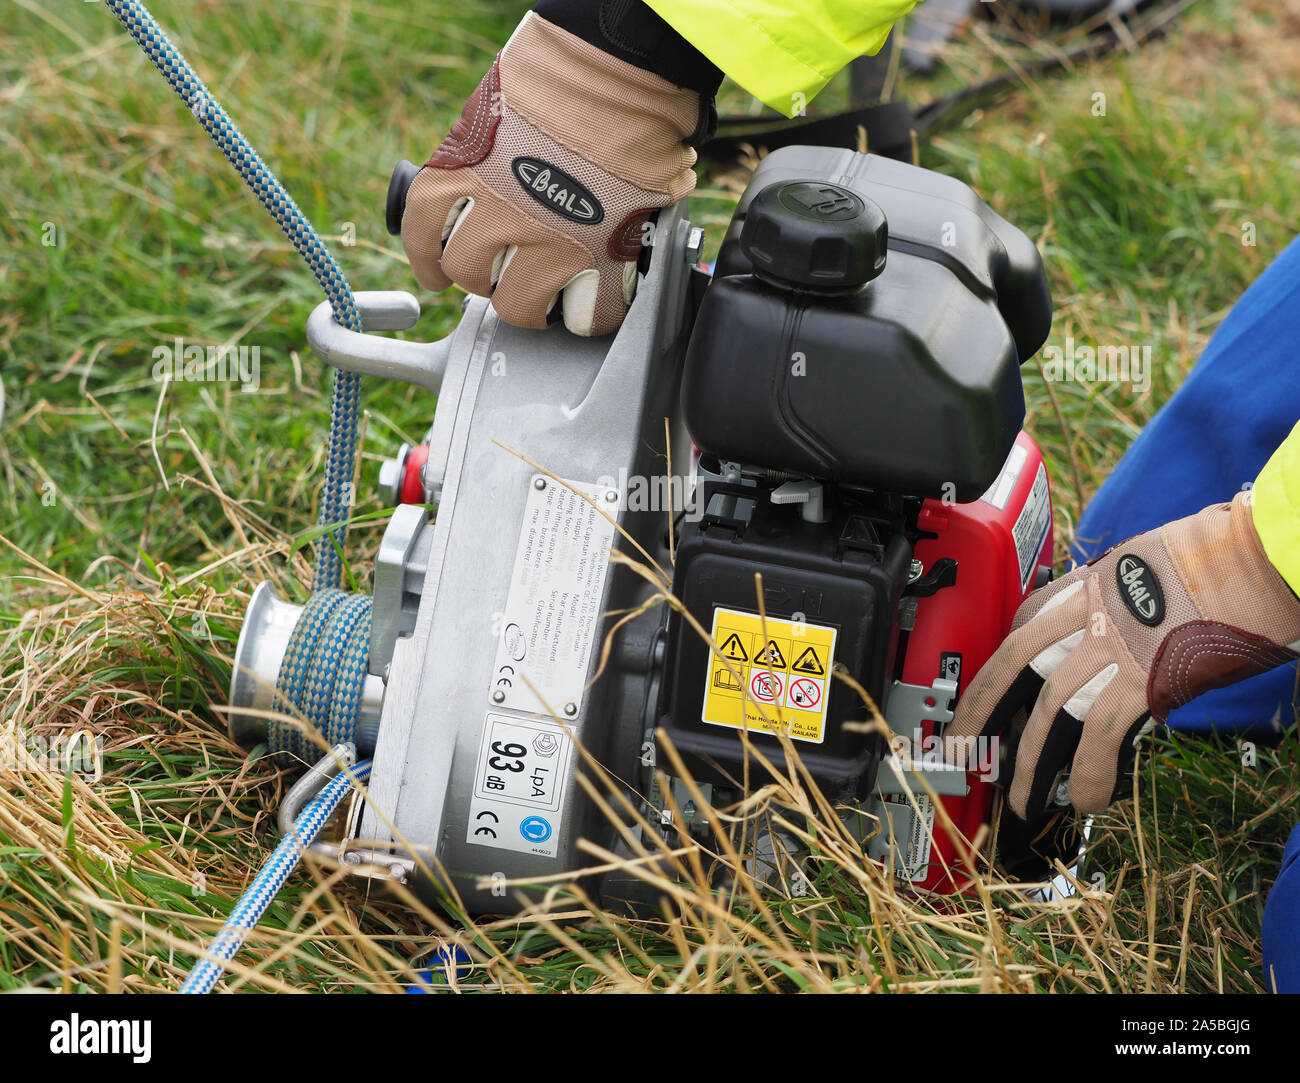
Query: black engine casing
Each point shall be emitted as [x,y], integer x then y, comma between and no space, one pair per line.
[847,573]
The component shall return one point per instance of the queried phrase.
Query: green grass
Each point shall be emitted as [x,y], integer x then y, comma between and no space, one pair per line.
[134,526]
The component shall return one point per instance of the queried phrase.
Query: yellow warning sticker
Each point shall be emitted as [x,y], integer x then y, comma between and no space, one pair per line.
[775,677]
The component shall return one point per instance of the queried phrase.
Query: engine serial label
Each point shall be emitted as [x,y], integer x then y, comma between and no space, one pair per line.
[520,779]
[1032,525]
[551,620]
[910,836]
[774,675]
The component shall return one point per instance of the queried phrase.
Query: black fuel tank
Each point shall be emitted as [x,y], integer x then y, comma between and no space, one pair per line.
[865,325]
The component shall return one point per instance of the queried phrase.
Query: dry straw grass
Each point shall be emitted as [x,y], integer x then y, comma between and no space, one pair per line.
[111,884]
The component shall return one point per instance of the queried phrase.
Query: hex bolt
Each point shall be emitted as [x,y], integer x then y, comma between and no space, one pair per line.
[391,474]
[390,480]
[694,245]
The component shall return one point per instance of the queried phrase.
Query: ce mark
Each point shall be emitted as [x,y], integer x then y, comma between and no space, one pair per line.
[485,830]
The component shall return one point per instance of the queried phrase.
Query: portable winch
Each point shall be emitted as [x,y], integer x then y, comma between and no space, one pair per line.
[818,448]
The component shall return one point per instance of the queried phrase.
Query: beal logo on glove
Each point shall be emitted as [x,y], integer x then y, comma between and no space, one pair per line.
[552,187]
[1140,589]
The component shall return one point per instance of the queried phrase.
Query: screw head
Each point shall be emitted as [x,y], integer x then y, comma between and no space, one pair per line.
[612,496]
[539,484]
[352,858]
[498,696]
[570,709]
[694,245]
[392,472]
[390,479]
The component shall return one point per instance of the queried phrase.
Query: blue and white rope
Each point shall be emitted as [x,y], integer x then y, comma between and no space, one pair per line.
[321,664]
[268,882]
[336,495]
[323,674]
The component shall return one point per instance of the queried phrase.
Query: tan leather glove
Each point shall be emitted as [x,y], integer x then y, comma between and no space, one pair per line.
[1105,652]
[546,182]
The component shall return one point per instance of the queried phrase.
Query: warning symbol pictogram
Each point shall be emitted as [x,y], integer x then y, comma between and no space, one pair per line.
[809,662]
[765,686]
[771,656]
[724,678]
[750,681]
[805,693]
[734,650]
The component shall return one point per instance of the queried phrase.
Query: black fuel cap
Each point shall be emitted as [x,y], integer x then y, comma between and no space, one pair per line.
[810,235]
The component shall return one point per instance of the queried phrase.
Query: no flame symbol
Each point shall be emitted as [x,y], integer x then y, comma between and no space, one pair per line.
[766,686]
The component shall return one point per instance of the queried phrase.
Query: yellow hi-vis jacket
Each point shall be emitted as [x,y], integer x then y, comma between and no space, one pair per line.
[785,51]
[1277,509]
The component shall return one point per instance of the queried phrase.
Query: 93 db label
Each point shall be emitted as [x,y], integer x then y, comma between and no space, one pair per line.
[523,762]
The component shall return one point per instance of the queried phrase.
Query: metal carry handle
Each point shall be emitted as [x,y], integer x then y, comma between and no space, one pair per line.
[421,363]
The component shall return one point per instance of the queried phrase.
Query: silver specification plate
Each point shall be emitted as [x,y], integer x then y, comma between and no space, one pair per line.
[521,776]
[551,620]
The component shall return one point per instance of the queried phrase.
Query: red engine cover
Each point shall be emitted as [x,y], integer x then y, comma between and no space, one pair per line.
[999,542]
